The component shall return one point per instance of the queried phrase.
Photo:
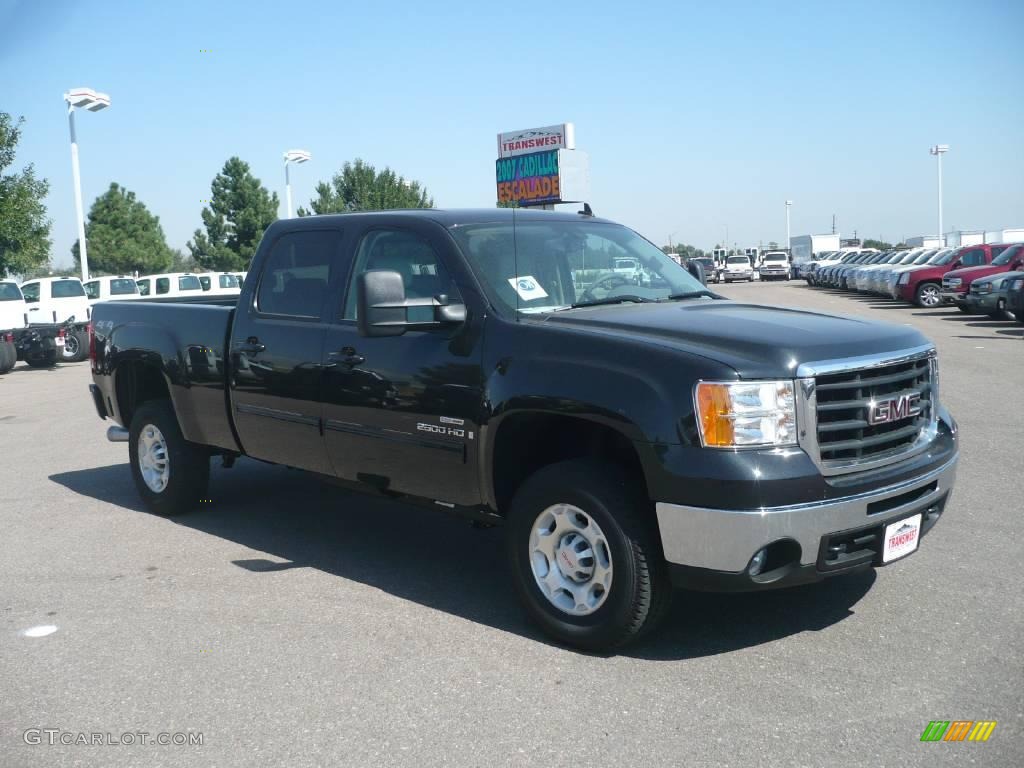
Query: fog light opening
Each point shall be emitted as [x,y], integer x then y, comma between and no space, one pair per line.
[757,562]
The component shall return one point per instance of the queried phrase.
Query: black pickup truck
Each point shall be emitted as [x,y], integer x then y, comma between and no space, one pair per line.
[631,437]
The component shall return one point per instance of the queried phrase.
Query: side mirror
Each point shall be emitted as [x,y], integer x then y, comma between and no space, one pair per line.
[382,308]
[697,270]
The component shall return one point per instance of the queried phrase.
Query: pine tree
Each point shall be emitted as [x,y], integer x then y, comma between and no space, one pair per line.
[123,236]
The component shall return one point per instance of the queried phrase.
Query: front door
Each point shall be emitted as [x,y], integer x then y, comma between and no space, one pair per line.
[276,348]
[402,413]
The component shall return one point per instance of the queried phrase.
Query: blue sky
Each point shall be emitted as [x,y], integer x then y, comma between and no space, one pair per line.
[696,116]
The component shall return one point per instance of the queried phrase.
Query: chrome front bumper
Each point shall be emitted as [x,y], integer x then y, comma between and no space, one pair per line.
[726,539]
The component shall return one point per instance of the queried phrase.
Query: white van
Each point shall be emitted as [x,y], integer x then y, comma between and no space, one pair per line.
[170,284]
[121,287]
[55,299]
[220,283]
[13,309]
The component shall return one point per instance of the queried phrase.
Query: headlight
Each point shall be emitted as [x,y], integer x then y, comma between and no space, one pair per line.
[983,288]
[744,414]
[953,282]
[904,279]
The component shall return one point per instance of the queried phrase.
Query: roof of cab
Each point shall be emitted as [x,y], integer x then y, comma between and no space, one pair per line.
[445,217]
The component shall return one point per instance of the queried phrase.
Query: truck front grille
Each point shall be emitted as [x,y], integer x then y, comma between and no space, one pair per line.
[846,400]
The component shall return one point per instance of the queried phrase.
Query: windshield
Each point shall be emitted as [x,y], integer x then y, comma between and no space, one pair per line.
[123,286]
[189,283]
[921,258]
[66,289]
[775,257]
[738,260]
[539,266]
[944,258]
[1007,256]
[9,292]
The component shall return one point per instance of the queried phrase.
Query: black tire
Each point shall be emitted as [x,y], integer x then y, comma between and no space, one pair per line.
[188,464]
[46,359]
[8,356]
[640,591]
[76,347]
[965,309]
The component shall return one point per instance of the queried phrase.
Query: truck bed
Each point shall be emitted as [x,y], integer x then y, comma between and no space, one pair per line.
[190,339]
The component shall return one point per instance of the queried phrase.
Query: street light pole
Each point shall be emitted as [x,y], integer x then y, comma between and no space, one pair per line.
[939,150]
[789,203]
[292,156]
[94,102]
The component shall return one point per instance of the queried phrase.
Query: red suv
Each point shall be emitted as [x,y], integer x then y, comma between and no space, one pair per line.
[957,283]
[924,286]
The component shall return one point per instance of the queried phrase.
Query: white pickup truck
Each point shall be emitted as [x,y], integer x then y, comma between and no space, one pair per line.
[57,300]
[38,345]
[737,268]
[112,287]
[774,266]
[170,284]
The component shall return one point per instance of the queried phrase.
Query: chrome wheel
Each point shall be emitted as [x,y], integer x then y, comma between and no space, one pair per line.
[570,559]
[154,463]
[929,296]
[70,346]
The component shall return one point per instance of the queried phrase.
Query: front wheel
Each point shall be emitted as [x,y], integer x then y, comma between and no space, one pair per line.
[170,473]
[8,356]
[585,555]
[76,347]
[965,309]
[927,295]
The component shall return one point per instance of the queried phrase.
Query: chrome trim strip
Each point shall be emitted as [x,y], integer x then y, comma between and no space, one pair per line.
[826,367]
[726,539]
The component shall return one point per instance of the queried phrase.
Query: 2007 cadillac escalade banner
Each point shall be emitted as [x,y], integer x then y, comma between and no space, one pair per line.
[539,178]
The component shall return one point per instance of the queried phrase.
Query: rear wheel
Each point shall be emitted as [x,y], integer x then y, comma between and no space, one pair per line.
[927,295]
[8,356]
[586,558]
[46,359]
[76,347]
[965,309]
[171,474]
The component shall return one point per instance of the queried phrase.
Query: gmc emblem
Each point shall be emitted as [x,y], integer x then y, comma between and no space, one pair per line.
[894,409]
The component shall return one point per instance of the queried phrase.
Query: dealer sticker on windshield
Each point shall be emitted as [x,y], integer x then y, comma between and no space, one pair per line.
[527,287]
[901,538]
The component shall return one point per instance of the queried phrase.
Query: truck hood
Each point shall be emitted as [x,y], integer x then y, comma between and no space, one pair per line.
[756,341]
[968,274]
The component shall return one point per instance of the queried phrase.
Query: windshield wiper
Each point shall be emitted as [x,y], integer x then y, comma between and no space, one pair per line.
[689,295]
[612,300]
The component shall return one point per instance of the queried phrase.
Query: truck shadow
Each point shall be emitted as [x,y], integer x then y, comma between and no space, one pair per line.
[444,563]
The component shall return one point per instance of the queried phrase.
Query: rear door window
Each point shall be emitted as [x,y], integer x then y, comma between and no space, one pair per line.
[66,289]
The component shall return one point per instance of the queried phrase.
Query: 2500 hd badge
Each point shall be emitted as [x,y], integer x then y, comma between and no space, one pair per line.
[632,435]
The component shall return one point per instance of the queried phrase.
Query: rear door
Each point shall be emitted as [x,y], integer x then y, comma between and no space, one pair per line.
[276,346]
[403,412]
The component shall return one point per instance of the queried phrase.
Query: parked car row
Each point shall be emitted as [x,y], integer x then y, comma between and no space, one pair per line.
[46,319]
[976,279]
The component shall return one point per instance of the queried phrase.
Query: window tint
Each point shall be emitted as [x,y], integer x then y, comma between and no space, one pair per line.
[163,285]
[204,280]
[228,281]
[296,274]
[9,292]
[972,258]
[1009,253]
[414,259]
[189,283]
[123,286]
[31,292]
[66,289]
[92,289]
[143,286]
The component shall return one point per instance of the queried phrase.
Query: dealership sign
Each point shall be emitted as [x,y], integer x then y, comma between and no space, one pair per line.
[540,166]
[531,140]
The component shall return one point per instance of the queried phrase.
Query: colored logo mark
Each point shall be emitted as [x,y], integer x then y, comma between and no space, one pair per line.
[958,730]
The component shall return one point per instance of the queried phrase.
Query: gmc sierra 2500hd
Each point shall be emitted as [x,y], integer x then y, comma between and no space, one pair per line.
[495,363]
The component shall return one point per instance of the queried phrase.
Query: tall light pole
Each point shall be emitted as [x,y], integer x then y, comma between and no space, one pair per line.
[296,156]
[86,98]
[789,204]
[939,150]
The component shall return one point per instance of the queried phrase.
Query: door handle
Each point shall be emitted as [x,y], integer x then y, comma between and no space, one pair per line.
[347,356]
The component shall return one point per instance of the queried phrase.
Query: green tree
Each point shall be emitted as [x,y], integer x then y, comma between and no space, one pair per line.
[240,210]
[123,236]
[360,187]
[182,263]
[24,227]
[879,244]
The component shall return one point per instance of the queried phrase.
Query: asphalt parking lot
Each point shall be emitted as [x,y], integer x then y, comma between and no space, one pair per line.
[292,623]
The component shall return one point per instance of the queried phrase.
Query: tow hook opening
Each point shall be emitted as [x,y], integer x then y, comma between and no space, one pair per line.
[774,561]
